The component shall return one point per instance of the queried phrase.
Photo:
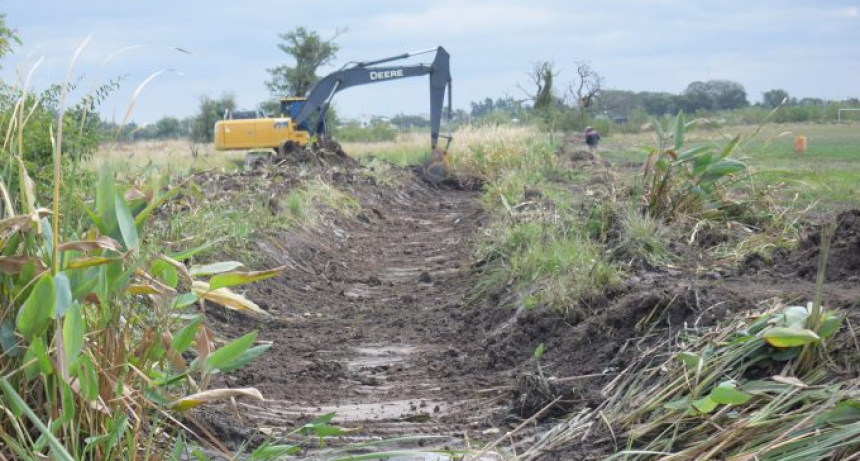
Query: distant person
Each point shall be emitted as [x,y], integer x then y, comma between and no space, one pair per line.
[592,137]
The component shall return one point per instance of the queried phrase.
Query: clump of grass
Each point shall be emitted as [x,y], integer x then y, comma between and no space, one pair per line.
[321,192]
[641,238]
[562,269]
[380,172]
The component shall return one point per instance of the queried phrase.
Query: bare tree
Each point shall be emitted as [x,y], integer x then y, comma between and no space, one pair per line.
[541,91]
[585,87]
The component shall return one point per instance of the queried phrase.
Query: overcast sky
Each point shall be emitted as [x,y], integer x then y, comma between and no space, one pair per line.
[808,48]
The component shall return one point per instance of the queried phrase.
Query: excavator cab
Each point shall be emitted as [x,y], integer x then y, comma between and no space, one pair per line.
[290,107]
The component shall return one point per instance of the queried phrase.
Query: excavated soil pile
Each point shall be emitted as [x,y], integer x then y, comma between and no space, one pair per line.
[844,261]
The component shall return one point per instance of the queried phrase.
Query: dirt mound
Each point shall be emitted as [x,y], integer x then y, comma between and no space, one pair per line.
[843,263]
[322,153]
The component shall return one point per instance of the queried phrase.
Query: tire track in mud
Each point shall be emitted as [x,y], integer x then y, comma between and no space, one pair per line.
[368,322]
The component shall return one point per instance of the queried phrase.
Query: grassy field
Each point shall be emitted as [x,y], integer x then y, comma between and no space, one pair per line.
[172,157]
[827,175]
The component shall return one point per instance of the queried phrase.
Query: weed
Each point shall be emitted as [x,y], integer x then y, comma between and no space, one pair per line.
[687,181]
[94,329]
[641,237]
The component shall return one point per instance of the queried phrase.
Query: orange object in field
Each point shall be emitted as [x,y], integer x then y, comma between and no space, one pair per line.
[800,144]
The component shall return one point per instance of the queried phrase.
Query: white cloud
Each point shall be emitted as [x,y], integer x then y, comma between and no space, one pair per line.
[850,12]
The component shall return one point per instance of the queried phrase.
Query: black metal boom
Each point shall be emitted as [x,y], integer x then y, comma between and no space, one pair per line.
[364,73]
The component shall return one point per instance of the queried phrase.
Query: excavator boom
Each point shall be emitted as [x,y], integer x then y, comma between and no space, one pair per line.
[364,73]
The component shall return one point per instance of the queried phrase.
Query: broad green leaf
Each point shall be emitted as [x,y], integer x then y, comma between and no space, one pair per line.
[184,300]
[680,404]
[829,325]
[845,412]
[794,317]
[183,338]
[8,340]
[786,354]
[106,201]
[689,359]
[246,357]
[47,236]
[88,378]
[68,398]
[215,268]
[705,405]
[36,360]
[679,130]
[229,352]
[727,394]
[238,278]
[723,168]
[64,295]
[789,337]
[57,448]
[127,228]
[166,272]
[36,313]
[73,334]
[692,153]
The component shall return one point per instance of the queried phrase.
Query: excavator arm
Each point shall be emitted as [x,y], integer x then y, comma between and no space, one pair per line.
[365,73]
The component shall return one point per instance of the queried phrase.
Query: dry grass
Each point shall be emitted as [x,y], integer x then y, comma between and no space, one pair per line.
[474,150]
[173,156]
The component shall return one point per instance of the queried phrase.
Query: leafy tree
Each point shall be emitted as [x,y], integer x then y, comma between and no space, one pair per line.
[774,98]
[209,112]
[658,103]
[713,95]
[310,52]
[728,95]
[8,37]
[168,128]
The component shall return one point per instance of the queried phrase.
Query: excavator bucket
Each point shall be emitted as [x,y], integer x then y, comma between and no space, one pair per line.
[435,169]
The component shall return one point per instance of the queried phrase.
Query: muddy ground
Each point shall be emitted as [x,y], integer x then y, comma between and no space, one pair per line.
[371,321]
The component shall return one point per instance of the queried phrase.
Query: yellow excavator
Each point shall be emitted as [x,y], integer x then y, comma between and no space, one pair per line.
[304,118]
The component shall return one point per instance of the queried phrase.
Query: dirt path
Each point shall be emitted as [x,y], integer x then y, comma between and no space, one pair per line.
[368,321]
